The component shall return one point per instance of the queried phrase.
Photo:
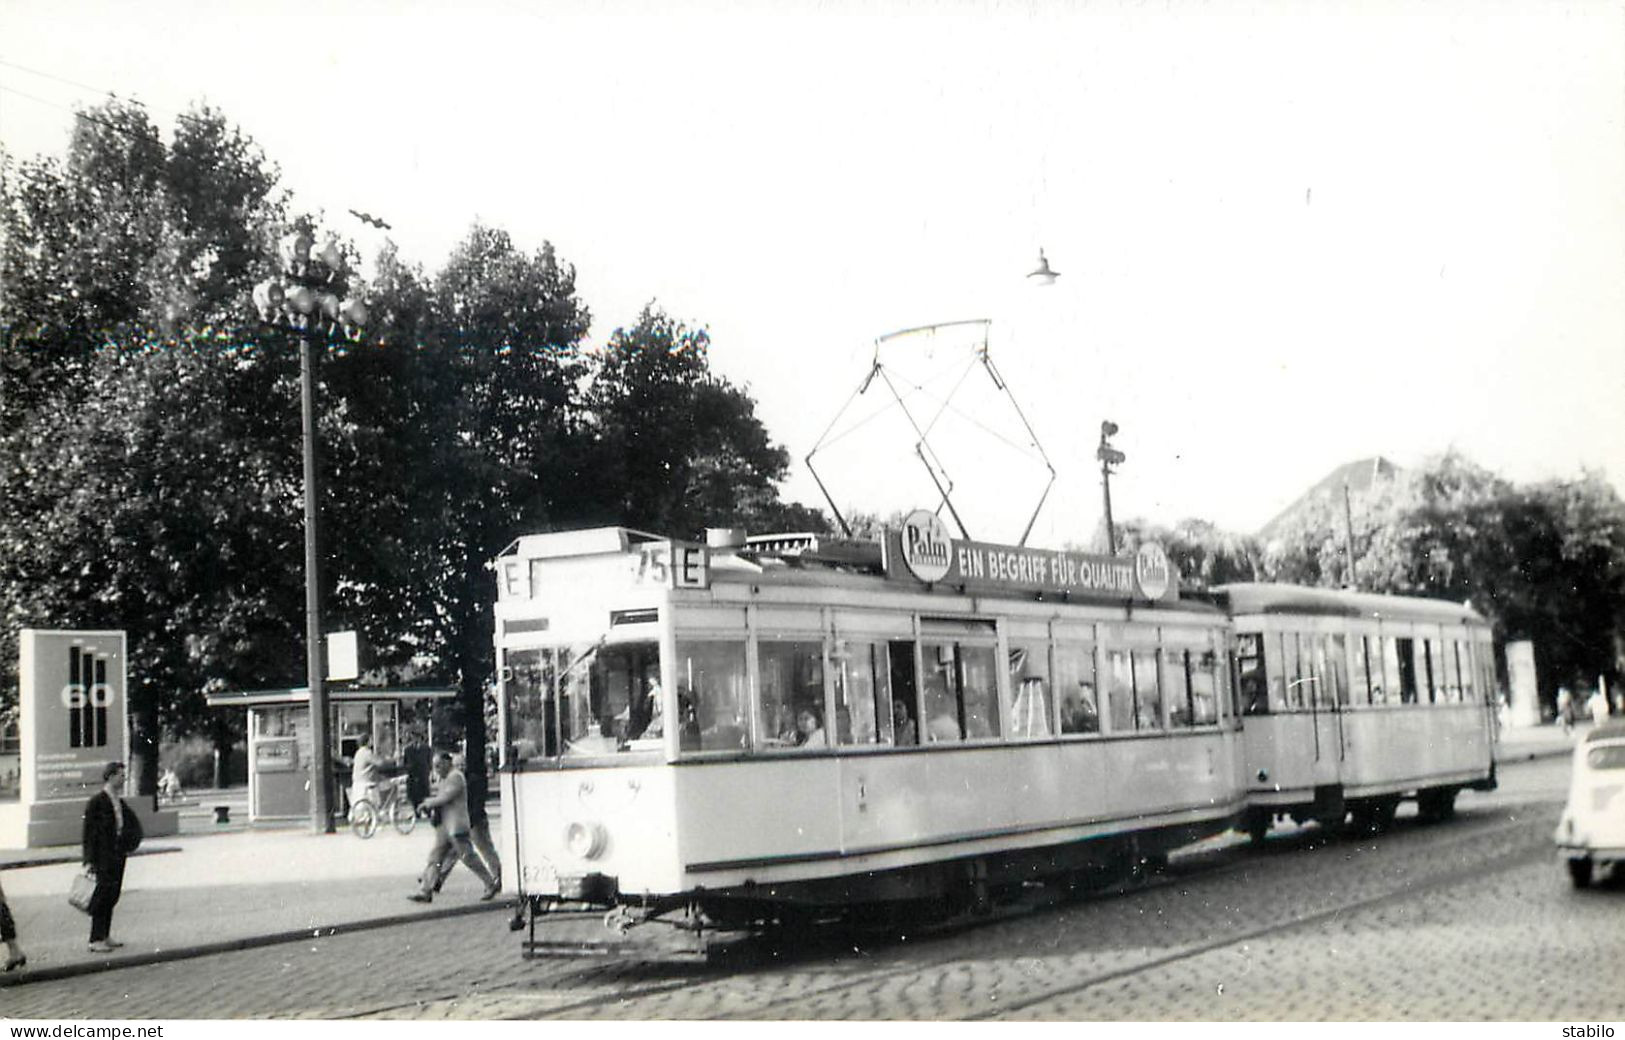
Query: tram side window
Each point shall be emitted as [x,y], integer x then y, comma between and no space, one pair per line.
[1075,687]
[712,701]
[1176,685]
[862,692]
[1291,691]
[1338,668]
[1318,675]
[1029,681]
[1463,654]
[1452,670]
[1361,678]
[1250,674]
[1120,690]
[1147,691]
[1401,654]
[792,684]
[941,720]
[1202,677]
[1427,671]
[905,700]
[961,692]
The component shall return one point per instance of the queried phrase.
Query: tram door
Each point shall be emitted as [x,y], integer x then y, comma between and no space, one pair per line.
[904,686]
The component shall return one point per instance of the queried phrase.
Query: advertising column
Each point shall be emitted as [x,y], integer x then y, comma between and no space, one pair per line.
[74,719]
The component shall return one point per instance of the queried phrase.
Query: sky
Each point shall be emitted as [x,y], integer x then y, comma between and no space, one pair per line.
[1288,236]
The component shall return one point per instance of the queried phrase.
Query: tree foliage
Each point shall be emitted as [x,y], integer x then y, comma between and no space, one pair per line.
[150,444]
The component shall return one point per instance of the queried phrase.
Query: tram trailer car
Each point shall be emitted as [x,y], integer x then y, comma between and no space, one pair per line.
[1352,702]
[795,728]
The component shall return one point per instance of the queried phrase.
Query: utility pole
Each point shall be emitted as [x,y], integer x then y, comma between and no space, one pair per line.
[1348,522]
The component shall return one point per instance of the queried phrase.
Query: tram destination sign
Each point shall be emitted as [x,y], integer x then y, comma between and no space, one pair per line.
[922,551]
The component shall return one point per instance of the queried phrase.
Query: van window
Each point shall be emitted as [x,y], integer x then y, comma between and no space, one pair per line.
[1612,757]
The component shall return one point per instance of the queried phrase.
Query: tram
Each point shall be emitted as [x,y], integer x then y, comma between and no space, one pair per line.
[770,729]
[1352,702]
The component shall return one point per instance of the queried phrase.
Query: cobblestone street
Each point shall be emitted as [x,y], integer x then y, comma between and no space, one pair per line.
[1469,920]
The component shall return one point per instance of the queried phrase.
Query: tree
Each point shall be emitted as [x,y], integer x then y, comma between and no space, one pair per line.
[1204,555]
[117,396]
[176,531]
[676,447]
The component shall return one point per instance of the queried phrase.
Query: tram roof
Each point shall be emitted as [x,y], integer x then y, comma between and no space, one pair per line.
[1269,598]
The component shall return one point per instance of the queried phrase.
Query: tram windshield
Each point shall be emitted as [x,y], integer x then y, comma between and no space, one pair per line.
[581,699]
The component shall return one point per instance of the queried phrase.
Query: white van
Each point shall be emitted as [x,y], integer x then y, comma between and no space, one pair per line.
[1592,829]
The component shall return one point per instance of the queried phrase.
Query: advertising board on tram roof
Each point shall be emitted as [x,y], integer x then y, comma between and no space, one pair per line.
[922,550]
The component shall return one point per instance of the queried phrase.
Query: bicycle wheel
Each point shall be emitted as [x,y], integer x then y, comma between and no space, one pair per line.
[404,818]
[363,819]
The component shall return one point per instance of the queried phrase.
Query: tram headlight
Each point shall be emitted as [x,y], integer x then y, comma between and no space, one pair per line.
[585,839]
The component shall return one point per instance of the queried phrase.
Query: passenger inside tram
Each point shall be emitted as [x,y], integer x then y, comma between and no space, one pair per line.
[1078,712]
[810,729]
[902,723]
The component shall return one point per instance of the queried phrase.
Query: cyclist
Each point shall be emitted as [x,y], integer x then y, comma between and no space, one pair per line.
[366,771]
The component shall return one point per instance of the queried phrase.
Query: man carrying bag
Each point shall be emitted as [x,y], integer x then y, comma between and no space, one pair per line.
[112,832]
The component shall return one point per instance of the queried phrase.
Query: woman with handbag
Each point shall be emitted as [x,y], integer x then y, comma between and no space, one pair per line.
[112,832]
[15,957]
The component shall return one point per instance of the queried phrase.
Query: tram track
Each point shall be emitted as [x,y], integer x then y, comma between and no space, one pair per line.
[620,993]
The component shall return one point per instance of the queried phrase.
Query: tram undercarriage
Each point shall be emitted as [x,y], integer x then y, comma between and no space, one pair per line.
[908,898]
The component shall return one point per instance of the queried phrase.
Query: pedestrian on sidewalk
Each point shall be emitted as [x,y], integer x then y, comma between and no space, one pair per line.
[479,832]
[112,832]
[1598,704]
[449,810]
[1565,709]
[416,760]
[15,957]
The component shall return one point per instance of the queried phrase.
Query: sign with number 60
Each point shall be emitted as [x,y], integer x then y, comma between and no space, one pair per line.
[77,695]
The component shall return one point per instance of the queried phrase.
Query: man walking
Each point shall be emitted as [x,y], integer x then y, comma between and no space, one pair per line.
[479,831]
[449,810]
[112,832]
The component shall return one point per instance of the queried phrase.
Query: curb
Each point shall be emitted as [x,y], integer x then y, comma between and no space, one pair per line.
[58,860]
[180,953]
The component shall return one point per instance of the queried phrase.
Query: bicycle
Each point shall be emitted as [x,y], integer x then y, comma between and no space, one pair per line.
[391,805]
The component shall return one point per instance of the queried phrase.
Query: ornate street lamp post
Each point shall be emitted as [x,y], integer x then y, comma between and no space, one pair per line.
[1109,457]
[308,300]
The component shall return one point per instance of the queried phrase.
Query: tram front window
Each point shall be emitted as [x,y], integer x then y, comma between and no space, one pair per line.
[580,699]
[1250,674]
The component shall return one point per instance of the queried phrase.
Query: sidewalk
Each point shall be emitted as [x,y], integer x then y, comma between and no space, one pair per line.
[1521,743]
[206,891]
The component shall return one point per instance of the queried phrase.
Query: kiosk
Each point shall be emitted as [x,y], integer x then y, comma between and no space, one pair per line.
[279,751]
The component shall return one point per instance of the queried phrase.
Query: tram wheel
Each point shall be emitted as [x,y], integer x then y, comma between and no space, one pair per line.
[1437,804]
[1374,817]
[1258,826]
[1580,872]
